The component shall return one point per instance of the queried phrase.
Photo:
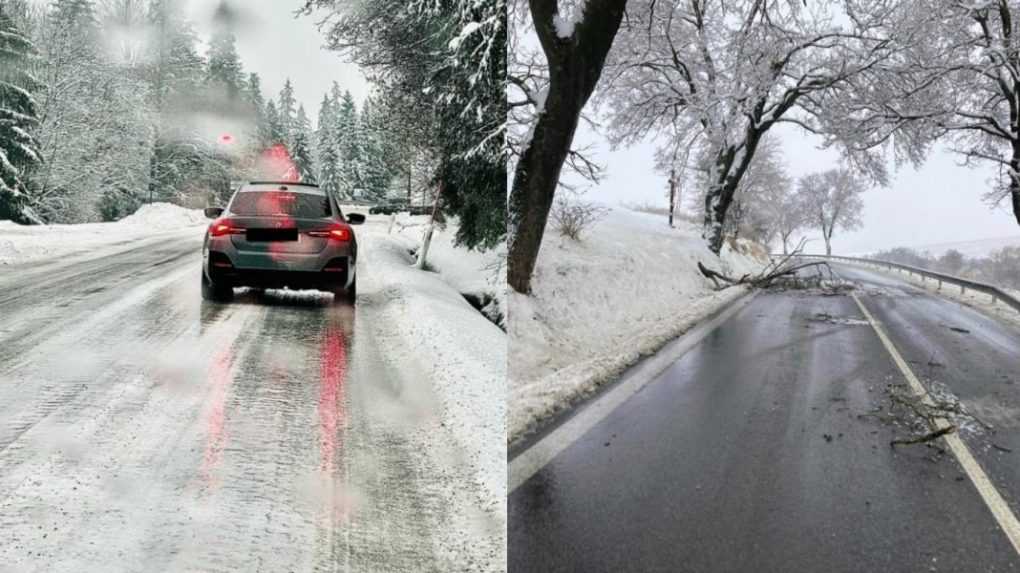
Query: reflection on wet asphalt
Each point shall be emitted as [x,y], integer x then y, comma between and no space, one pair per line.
[142,429]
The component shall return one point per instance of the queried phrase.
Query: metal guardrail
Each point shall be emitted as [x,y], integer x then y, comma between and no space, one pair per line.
[995,292]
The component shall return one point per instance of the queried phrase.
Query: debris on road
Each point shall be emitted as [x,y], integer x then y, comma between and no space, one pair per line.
[958,329]
[832,319]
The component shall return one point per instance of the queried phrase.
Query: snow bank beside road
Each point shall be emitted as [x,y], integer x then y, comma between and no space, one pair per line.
[24,244]
[480,275]
[598,306]
[431,330]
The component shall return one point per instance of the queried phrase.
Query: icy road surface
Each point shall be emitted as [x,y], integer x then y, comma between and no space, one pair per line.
[144,430]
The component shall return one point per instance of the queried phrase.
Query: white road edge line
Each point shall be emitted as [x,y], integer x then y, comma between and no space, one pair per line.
[991,496]
[533,459]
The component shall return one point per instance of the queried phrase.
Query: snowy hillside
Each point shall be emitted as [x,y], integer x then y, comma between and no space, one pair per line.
[24,244]
[598,306]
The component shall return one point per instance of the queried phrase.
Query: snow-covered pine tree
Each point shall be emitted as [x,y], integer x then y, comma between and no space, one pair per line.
[18,116]
[376,174]
[301,147]
[274,125]
[348,141]
[287,108]
[174,73]
[257,103]
[328,157]
[225,74]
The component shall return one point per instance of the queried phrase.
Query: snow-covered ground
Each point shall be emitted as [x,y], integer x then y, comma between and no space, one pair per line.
[480,275]
[431,329]
[25,244]
[600,305]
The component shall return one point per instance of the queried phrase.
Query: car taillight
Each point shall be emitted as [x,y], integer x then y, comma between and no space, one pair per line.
[223,227]
[336,234]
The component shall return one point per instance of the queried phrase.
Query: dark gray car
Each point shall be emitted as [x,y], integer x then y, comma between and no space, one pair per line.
[280,235]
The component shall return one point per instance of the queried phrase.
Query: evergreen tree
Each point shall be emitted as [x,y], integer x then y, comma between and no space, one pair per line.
[376,174]
[348,142]
[257,103]
[224,71]
[18,116]
[174,72]
[288,113]
[301,148]
[326,149]
[274,125]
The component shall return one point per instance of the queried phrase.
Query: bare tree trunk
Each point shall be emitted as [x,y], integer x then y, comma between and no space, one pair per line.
[729,169]
[672,195]
[717,203]
[575,65]
[1014,181]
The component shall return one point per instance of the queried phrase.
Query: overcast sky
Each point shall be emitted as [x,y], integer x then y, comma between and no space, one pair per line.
[939,203]
[274,43]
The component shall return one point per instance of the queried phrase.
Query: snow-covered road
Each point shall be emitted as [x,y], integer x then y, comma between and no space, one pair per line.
[144,430]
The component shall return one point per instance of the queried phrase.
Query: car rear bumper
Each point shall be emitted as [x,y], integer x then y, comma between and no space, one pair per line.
[337,273]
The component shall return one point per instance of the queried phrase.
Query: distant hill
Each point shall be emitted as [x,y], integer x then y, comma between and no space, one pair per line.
[971,249]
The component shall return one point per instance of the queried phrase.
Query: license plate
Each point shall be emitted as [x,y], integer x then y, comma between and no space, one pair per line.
[271,235]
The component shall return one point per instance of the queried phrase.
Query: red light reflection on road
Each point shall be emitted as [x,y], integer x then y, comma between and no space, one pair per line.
[220,377]
[332,407]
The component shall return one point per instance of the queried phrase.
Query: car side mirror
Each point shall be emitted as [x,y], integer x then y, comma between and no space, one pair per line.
[213,212]
[355,218]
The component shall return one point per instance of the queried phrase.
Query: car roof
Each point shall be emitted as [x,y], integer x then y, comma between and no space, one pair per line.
[263,186]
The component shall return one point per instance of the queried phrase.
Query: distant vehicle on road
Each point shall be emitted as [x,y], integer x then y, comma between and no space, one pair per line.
[398,206]
[280,235]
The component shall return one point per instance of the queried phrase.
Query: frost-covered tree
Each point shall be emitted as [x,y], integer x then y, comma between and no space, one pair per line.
[225,74]
[327,155]
[960,84]
[92,130]
[18,117]
[450,57]
[832,200]
[287,108]
[376,156]
[347,132]
[717,76]
[257,103]
[121,22]
[301,146]
[175,72]
[757,205]
[274,125]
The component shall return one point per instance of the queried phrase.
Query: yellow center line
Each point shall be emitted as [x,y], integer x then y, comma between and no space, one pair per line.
[991,496]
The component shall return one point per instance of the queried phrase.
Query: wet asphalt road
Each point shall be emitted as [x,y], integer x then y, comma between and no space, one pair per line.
[759,450]
[142,429]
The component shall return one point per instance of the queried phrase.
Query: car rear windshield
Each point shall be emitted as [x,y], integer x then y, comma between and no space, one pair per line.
[280,203]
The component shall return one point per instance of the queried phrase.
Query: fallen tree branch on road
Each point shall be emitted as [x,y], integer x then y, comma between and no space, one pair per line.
[780,272]
[773,275]
[929,437]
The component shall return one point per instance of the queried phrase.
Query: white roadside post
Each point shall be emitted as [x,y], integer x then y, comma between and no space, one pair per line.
[427,240]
